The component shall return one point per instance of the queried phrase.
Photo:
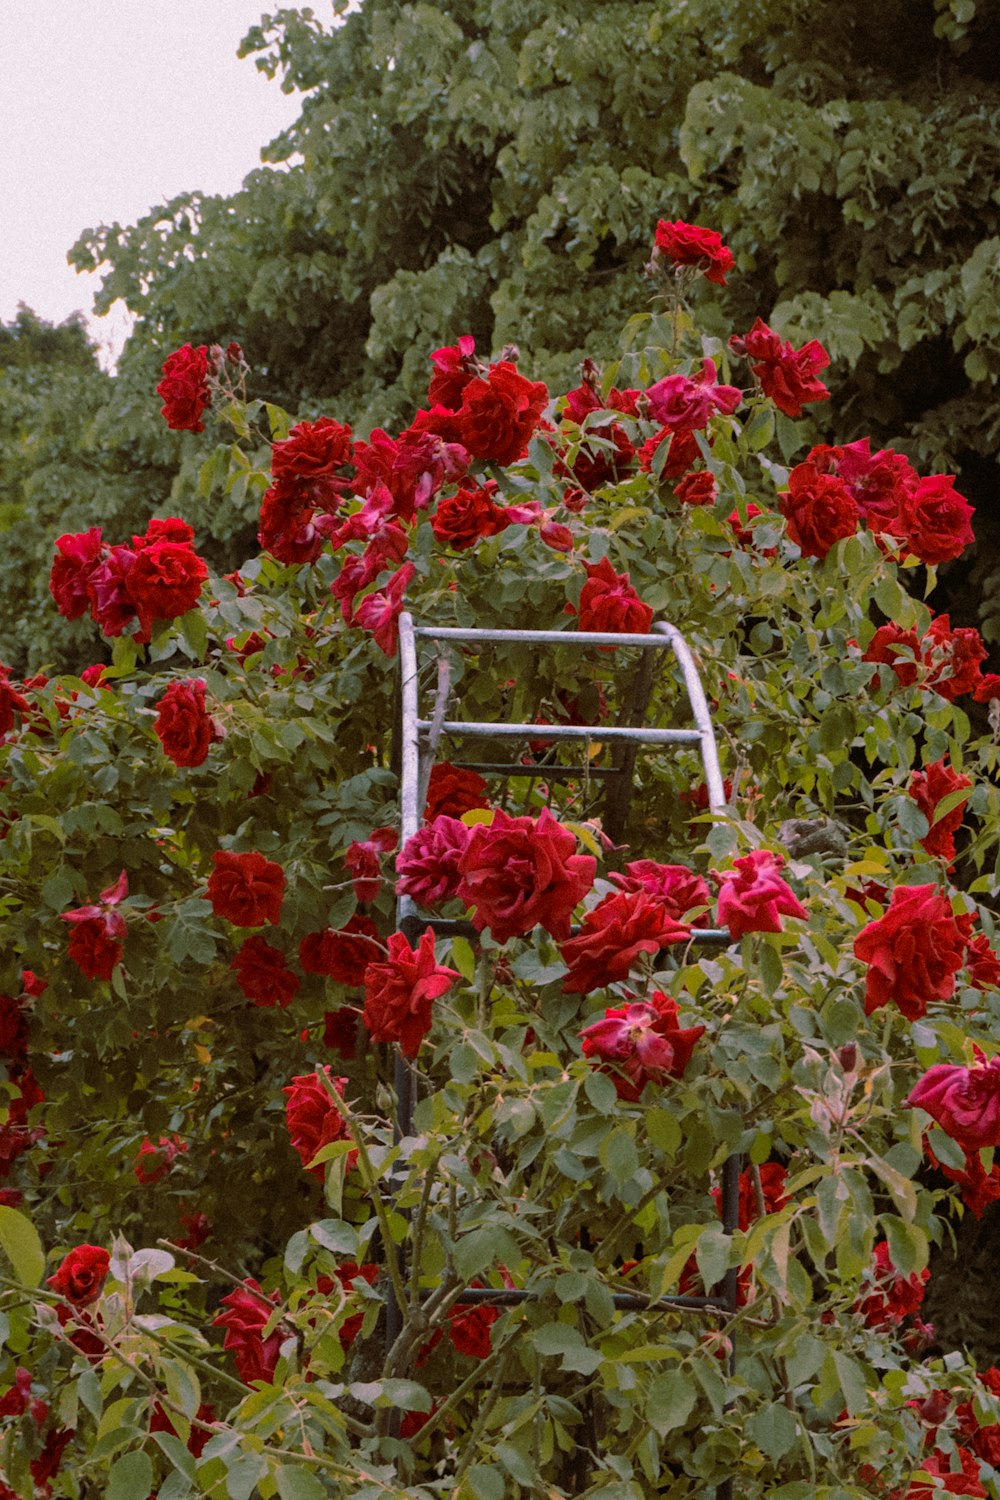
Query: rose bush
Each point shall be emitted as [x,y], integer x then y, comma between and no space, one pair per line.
[333,1294]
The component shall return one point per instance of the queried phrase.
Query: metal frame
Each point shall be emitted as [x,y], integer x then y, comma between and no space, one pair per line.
[415,767]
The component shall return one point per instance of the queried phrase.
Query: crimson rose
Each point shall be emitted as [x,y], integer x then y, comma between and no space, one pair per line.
[641,1043]
[312,1119]
[399,993]
[965,1102]
[819,508]
[614,934]
[246,889]
[519,873]
[183,726]
[184,388]
[263,975]
[609,603]
[341,954]
[82,1274]
[691,245]
[499,414]
[787,375]
[753,897]
[913,952]
[247,1313]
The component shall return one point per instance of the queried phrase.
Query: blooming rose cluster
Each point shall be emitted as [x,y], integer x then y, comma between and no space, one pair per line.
[96,944]
[400,993]
[184,388]
[313,1120]
[913,952]
[945,660]
[157,576]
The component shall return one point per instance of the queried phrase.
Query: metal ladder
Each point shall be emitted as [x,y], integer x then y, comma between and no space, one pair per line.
[418,737]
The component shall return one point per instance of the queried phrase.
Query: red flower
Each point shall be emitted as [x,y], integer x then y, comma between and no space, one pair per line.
[896,648]
[286,526]
[364,860]
[819,508]
[347,1274]
[313,1122]
[913,952]
[263,975]
[988,687]
[499,413]
[698,488]
[519,873]
[467,517]
[452,791]
[379,612]
[454,367]
[935,519]
[159,1421]
[609,603]
[982,963]
[614,934]
[246,889]
[928,788]
[18,1400]
[183,726]
[683,403]
[963,1481]
[953,658]
[753,897]
[309,458]
[164,582]
[641,1043]
[678,889]
[77,555]
[247,1313]
[428,865]
[691,245]
[892,1297]
[198,1227]
[399,994]
[154,1161]
[95,953]
[683,451]
[469,1327]
[787,375]
[977,1187]
[413,467]
[341,954]
[184,388]
[965,1102]
[81,1275]
[773,1176]
[340,1031]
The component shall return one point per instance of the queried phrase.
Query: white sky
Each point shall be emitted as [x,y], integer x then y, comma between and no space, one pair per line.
[108,107]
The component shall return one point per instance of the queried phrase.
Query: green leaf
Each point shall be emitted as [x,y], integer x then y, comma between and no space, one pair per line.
[483,1248]
[774,1429]
[485,1483]
[712,1253]
[130,1477]
[21,1245]
[671,1401]
[296,1483]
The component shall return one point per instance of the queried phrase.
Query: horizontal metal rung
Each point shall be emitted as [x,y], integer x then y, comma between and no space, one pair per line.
[550,773]
[540,637]
[636,734]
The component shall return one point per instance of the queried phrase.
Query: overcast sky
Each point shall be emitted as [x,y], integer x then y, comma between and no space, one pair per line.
[109,107]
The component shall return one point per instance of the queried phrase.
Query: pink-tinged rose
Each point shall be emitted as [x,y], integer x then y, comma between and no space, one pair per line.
[753,897]
[155,1158]
[520,873]
[81,1275]
[787,375]
[184,389]
[247,1313]
[400,993]
[77,556]
[965,1102]
[428,865]
[453,791]
[641,1043]
[928,788]
[614,935]
[935,519]
[246,889]
[413,467]
[364,860]
[183,725]
[454,366]
[609,603]
[678,889]
[913,952]
[891,1297]
[499,413]
[343,953]
[263,975]
[379,612]
[820,510]
[692,245]
[313,1120]
[684,403]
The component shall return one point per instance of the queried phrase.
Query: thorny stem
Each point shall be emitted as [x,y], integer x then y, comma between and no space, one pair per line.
[490,1400]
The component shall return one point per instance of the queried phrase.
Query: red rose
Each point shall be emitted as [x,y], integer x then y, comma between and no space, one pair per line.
[698,488]
[312,1120]
[246,889]
[155,1160]
[953,658]
[342,954]
[309,458]
[683,403]
[892,1297]
[347,1274]
[955,1481]
[614,934]
[519,873]
[753,897]
[928,788]
[82,1275]
[787,375]
[469,1327]
[413,467]
[164,582]
[286,526]
[463,519]
[935,519]
[682,452]
[77,555]
[878,481]
[454,367]
[247,1313]
[982,963]
[965,1102]
[95,951]
[691,245]
[263,975]
[678,889]
[399,994]
[364,860]
[913,952]
[641,1043]
[977,1187]
[183,725]
[452,791]
[819,508]
[159,1421]
[609,603]
[379,612]
[499,414]
[428,865]
[184,389]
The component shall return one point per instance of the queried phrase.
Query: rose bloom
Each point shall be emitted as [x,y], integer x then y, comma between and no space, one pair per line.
[984,1440]
[183,726]
[913,952]
[820,510]
[379,612]
[465,518]
[312,1120]
[519,873]
[364,860]
[164,582]
[935,519]
[928,788]
[684,403]
[452,791]
[286,526]
[954,658]
[159,1421]
[454,366]
[263,975]
[787,375]
[247,1312]
[413,467]
[691,245]
[154,1161]
[184,389]
[753,897]
[399,993]
[246,889]
[499,413]
[428,865]
[696,488]
[641,1043]
[965,1102]
[81,1275]
[614,934]
[892,1297]
[987,688]
[312,452]
[894,647]
[977,1188]
[982,963]
[682,452]
[341,954]
[677,888]
[963,1480]
[609,603]
[469,1327]
[77,555]
[94,949]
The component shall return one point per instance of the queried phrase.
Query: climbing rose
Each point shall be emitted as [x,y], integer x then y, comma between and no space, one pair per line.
[246,889]
[787,375]
[428,865]
[928,788]
[379,612]
[982,963]
[519,873]
[81,1275]
[454,367]
[341,954]
[753,897]
[954,658]
[609,603]
[965,1102]
[499,413]
[399,993]
[309,458]
[263,975]
[614,934]
[935,519]
[962,1481]
[696,488]
[364,860]
[77,556]
[347,1273]
[313,1121]
[184,388]
[164,582]
[183,725]
[452,791]
[684,403]
[820,510]
[641,1043]
[679,889]
[469,1327]
[155,1159]
[691,245]
[247,1313]
[96,944]
[891,1297]
[467,517]
[913,952]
